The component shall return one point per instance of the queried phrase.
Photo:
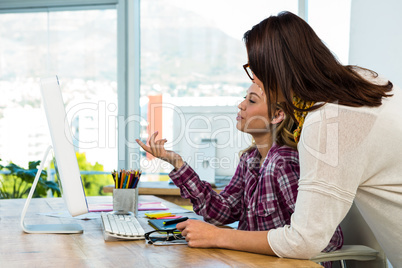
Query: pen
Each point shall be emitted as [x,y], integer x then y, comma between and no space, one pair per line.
[130,180]
[137,179]
[116,180]
[123,176]
[125,180]
[175,221]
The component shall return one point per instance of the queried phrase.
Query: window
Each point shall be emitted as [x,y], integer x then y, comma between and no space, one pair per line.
[191,55]
[331,21]
[80,47]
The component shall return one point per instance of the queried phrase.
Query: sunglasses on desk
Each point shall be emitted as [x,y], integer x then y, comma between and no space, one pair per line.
[165,237]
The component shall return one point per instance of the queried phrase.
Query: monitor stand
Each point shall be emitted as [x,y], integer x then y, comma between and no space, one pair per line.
[46,228]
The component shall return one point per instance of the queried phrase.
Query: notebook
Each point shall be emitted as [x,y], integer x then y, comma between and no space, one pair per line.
[158,224]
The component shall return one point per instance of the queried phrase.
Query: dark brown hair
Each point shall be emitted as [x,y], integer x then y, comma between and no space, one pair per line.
[285,53]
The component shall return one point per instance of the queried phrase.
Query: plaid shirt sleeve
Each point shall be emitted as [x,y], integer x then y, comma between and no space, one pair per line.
[218,209]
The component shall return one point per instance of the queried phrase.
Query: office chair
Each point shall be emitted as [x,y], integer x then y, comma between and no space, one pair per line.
[360,248]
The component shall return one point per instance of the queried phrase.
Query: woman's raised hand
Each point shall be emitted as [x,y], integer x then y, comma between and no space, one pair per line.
[157,149]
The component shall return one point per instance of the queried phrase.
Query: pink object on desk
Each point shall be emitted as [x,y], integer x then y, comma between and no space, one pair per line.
[141,207]
[100,207]
[169,217]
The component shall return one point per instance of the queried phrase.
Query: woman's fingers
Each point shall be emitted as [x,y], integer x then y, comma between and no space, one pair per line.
[199,233]
[181,226]
[159,147]
[156,148]
[152,142]
[163,146]
[144,146]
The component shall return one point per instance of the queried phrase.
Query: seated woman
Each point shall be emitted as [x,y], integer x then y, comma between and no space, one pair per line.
[262,193]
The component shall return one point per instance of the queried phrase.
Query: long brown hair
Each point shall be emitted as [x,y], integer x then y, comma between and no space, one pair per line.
[283,132]
[285,53]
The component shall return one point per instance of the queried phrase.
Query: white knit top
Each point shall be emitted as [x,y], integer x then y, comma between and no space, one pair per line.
[347,154]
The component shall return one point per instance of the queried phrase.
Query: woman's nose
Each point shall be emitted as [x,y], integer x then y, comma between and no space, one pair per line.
[240,106]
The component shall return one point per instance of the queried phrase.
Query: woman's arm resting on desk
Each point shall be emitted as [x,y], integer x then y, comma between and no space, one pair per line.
[204,235]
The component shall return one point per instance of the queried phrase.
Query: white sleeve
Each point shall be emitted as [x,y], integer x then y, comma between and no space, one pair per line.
[330,148]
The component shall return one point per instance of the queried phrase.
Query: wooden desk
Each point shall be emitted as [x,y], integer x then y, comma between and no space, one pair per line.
[162,189]
[18,249]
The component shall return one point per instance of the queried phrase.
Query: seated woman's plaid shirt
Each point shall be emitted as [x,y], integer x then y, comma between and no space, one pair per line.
[260,198]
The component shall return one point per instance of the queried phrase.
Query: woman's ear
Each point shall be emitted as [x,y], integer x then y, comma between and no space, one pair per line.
[279,116]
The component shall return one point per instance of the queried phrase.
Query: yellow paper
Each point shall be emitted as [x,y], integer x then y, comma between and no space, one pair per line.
[157,214]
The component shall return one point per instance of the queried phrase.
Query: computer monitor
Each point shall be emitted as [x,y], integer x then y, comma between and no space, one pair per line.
[207,139]
[65,160]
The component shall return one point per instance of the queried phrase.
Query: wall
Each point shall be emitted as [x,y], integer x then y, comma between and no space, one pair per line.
[376,37]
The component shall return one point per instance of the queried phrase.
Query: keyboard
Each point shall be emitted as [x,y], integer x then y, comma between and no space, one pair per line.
[121,227]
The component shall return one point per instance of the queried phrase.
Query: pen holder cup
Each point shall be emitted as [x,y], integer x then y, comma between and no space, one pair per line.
[125,201]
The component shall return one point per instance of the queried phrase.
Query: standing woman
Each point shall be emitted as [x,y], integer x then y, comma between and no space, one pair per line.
[350,144]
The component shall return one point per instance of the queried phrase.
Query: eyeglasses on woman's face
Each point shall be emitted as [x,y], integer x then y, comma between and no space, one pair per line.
[248,71]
